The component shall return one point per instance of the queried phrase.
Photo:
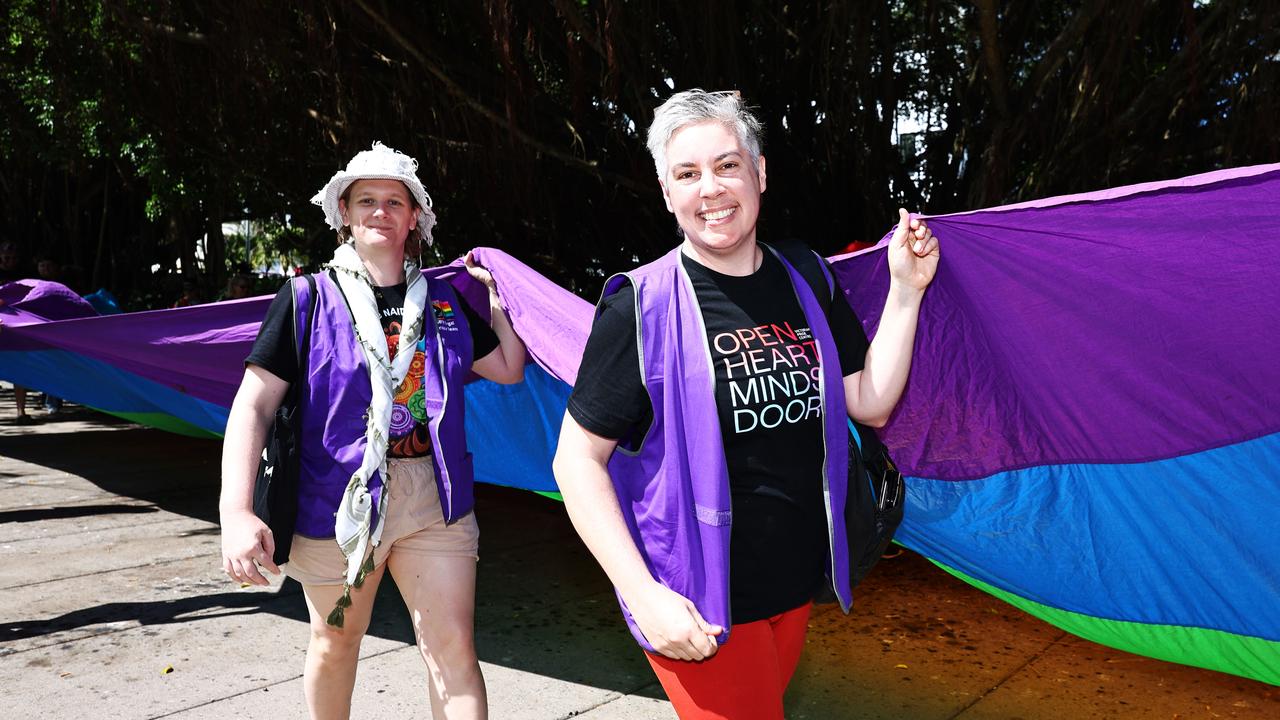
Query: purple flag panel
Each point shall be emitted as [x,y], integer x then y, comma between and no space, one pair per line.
[1113,327]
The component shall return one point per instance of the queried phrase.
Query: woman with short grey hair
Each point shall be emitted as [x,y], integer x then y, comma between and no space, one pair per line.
[693,457]
[695,106]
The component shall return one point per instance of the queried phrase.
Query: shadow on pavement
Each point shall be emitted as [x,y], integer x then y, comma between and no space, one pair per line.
[57,513]
[174,473]
[162,612]
[543,605]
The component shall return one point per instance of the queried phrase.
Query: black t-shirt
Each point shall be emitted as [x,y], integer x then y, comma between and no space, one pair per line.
[274,352]
[770,413]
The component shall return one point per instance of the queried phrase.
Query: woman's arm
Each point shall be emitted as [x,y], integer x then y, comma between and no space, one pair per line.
[668,620]
[872,393]
[506,366]
[246,540]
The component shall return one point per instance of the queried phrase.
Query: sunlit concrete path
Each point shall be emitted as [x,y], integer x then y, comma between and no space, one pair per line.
[114,606]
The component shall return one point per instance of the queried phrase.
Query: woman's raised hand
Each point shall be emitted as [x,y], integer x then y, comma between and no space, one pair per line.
[478,271]
[913,252]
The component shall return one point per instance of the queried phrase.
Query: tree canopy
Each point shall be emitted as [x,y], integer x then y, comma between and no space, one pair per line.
[134,128]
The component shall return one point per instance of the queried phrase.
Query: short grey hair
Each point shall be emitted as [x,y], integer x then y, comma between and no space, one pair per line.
[691,107]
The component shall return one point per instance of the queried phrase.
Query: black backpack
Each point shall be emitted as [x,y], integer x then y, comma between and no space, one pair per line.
[275,490]
[877,492]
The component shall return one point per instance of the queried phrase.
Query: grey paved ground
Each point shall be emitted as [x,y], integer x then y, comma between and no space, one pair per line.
[113,606]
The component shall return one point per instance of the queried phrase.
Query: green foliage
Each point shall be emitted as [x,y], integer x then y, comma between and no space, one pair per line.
[270,244]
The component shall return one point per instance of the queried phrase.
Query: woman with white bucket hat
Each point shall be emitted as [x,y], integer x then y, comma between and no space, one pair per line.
[385,479]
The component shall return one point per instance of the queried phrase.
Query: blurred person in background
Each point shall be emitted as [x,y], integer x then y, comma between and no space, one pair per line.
[10,270]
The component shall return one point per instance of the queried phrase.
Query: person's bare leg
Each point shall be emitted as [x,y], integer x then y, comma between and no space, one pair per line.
[332,654]
[20,399]
[440,593]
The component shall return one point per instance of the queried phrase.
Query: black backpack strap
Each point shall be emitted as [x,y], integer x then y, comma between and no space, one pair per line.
[812,268]
[304,345]
[302,329]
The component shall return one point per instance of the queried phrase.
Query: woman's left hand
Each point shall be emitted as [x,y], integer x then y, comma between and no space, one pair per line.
[479,272]
[505,365]
[913,252]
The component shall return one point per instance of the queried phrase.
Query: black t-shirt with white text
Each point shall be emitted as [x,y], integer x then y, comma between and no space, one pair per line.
[770,412]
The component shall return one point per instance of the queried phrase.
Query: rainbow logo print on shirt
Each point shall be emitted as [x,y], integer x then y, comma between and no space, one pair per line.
[443,309]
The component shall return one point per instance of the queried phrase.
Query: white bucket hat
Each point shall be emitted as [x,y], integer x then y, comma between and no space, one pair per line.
[379,163]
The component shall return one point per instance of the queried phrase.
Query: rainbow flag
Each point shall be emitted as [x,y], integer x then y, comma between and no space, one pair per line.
[1091,429]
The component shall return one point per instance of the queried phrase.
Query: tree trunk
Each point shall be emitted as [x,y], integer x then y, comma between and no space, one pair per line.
[95,281]
[215,251]
[176,236]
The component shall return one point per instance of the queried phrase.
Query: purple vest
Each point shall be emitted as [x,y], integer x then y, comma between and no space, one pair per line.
[674,488]
[336,395]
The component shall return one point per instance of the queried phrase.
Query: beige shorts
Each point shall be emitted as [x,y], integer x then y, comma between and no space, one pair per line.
[414,524]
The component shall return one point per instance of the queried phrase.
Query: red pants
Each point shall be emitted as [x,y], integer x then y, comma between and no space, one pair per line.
[746,677]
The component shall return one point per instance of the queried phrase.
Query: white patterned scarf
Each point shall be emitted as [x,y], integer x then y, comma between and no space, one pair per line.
[355,530]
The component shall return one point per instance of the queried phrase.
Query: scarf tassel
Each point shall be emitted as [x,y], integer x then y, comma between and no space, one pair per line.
[365,569]
[337,616]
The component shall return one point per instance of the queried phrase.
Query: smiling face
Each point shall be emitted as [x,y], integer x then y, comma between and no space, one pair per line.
[380,213]
[713,188]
